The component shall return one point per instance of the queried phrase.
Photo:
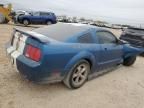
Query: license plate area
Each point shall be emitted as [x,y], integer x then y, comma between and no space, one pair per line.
[19,42]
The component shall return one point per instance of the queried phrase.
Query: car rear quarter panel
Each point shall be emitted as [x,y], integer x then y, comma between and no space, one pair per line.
[62,57]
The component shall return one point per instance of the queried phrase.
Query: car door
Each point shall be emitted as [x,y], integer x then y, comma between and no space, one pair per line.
[111,52]
[44,16]
[36,18]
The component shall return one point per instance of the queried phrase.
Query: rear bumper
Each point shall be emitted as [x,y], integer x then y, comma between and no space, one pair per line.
[31,70]
[35,72]
[28,69]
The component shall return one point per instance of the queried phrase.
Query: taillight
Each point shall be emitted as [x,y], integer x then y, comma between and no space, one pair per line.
[33,53]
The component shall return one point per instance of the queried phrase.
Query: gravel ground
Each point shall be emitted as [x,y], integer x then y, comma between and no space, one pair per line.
[121,88]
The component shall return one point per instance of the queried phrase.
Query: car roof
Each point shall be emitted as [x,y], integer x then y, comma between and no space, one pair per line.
[42,12]
[63,31]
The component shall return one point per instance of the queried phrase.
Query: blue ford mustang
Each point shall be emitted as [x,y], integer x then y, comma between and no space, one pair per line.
[72,53]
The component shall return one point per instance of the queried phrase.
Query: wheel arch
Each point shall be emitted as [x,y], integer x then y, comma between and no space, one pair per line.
[80,56]
[89,61]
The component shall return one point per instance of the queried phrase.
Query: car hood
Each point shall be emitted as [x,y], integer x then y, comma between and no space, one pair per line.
[130,50]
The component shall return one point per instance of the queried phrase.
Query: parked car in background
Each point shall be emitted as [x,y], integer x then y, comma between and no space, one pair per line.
[72,53]
[135,36]
[22,12]
[116,26]
[19,13]
[64,19]
[38,18]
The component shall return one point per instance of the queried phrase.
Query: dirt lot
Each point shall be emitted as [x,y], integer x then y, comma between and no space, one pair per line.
[121,88]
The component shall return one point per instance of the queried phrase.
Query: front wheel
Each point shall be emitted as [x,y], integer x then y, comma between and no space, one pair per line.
[78,75]
[129,61]
[48,22]
[26,22]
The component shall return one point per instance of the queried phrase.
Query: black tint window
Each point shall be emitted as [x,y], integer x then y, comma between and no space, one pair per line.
[106,37]
[86,38]
[36,14]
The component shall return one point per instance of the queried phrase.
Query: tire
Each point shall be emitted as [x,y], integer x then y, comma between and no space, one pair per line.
[78,75]
[49,22]
[26,22]
[129,61]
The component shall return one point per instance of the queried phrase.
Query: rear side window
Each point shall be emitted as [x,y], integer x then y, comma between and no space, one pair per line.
[86,38]
[106,37]
[44,14]
[36,13]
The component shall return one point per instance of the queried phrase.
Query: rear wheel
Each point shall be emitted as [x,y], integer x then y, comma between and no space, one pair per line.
[26,22]
[78,75]
[48,22]
[129,61]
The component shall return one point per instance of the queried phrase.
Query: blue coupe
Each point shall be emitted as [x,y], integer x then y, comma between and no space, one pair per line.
[71,53]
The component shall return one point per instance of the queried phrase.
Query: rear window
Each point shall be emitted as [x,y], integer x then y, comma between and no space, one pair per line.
[60,32]
[44,14]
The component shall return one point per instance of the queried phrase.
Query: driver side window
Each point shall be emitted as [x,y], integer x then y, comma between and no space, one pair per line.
[105,37]
[36,14]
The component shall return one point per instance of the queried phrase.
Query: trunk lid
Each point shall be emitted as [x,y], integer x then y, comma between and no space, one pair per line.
[21,39]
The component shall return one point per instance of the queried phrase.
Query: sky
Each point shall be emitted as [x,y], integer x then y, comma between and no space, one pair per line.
[113,11]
